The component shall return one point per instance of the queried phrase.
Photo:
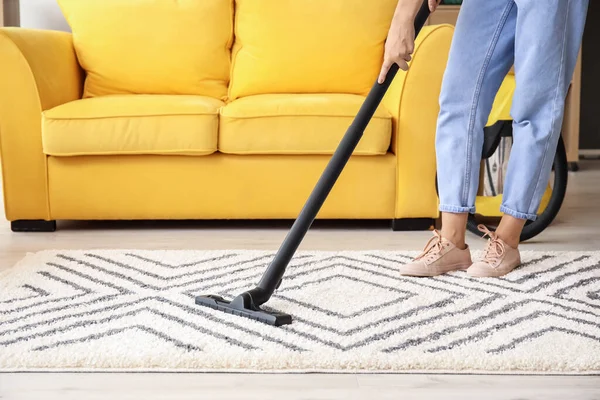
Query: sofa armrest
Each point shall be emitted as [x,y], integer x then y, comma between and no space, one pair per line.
[413,100]
[38,71]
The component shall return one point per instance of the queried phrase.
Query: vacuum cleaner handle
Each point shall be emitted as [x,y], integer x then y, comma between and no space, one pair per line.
[248,303]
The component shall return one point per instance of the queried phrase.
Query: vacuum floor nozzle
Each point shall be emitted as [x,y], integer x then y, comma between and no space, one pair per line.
[242,308]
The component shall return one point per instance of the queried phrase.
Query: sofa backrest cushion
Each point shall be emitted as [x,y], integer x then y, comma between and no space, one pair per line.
[308,46]
[152,46]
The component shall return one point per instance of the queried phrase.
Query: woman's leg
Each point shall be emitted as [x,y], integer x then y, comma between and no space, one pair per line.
[480,57]
[548,39]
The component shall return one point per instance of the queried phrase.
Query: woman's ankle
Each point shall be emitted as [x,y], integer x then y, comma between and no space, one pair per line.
[454,228]
[509,230]
[456,237]
[509,238]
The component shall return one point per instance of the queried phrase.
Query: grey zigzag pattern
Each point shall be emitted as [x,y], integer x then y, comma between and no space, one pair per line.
[341,302]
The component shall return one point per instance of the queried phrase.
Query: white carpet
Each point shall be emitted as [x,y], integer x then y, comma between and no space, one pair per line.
[134,310]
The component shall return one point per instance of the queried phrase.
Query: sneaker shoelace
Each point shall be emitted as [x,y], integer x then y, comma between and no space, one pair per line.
[433,248]
[495,249]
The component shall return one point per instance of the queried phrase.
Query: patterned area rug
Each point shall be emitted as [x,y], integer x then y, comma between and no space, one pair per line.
[132,310]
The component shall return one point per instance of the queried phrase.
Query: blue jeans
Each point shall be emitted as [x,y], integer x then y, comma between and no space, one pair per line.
[542,39]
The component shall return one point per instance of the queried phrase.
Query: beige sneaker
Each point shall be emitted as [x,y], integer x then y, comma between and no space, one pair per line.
[498,260]
[439,257]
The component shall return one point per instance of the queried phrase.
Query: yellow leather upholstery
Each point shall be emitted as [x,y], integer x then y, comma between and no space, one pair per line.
[132,124]
[308,46]
[299,124]
[38,71]
[153,46]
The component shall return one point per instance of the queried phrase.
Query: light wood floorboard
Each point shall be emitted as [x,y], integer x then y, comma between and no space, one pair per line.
[576,228]
[79,386]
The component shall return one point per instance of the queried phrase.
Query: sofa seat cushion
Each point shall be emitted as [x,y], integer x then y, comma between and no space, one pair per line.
[298,124]
[132,124]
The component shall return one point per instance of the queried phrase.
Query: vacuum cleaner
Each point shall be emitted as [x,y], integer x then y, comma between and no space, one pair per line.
[248,303]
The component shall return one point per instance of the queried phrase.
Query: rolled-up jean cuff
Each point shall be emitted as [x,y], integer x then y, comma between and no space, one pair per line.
[517,214]
[456,209]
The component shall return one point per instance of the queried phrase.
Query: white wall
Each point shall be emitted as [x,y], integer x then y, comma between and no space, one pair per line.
[42,14]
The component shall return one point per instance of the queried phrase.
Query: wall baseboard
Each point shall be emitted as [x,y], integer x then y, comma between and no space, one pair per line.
[590,154]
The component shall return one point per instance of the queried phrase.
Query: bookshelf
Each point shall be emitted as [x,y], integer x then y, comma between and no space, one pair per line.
[448,14]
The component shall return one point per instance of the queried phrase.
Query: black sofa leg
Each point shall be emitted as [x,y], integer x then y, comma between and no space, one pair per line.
[38,225]
[413,224]
[573,166]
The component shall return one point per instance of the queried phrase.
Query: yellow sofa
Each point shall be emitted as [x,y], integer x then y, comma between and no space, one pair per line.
[213,110]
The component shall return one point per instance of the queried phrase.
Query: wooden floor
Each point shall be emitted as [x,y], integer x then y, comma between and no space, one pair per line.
[294,387]
[576,228]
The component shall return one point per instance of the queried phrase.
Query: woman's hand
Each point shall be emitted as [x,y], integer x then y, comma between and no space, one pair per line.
[433,4]
[399,47]
[400,42]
